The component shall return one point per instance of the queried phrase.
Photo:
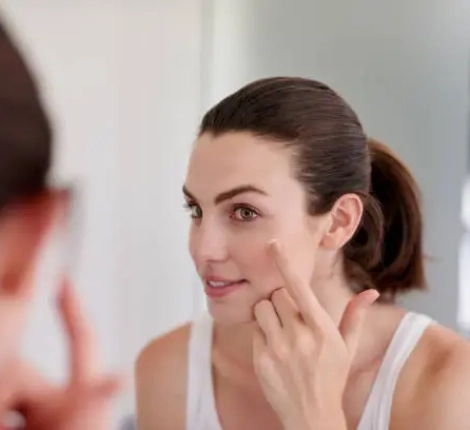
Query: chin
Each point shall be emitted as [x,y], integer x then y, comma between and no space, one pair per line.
[230,313]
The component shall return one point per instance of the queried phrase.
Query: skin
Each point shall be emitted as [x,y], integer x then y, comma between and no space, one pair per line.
[301,357]
[83,402]
[229,240]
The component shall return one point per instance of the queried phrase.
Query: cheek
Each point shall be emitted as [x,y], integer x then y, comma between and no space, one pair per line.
[265,275]
[192,243]
[300,249]
[244,245]
[249,252]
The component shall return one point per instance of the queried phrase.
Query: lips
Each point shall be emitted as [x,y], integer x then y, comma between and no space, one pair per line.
[221,284]
[219,287]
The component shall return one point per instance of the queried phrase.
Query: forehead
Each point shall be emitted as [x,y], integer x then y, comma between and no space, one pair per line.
[233,159]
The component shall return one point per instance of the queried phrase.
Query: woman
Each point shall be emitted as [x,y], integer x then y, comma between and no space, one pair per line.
[303,232]
[29,209]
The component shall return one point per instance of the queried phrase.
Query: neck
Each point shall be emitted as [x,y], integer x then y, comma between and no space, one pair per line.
[233,344]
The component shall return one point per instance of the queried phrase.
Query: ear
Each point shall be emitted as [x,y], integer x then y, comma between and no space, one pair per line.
[344,219]
[23,227]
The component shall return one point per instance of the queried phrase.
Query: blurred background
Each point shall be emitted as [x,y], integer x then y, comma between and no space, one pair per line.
[127,82]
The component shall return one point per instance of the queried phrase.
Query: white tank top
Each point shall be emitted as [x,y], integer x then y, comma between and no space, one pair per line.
[201,413]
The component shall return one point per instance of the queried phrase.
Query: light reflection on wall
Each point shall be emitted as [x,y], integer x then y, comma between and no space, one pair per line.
[464,263]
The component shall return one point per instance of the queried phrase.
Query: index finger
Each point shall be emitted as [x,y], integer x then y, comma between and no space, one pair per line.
[300,290]
[79,333]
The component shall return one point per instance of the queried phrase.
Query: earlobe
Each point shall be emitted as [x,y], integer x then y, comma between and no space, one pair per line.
[344,219]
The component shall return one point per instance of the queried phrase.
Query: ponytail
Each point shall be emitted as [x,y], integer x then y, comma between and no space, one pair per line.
[386,252]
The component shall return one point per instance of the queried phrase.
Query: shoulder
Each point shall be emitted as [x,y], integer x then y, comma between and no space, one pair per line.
[161,375]
[436,383]
[167,352]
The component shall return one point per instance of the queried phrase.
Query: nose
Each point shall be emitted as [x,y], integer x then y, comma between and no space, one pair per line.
[208,243]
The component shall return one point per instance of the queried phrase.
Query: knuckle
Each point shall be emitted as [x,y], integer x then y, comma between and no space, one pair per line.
[304,345]
[321,338]
[282,352]
[263,360]
[276,295]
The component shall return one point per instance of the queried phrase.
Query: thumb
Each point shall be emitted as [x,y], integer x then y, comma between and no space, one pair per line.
[353,318]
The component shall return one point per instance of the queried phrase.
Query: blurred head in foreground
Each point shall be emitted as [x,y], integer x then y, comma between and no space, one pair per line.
[28,207]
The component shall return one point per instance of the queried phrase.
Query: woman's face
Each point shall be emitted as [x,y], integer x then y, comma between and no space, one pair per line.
[242,194]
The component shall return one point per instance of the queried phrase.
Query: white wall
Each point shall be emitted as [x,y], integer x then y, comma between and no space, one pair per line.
[159,113]
[123,81]
[403,65]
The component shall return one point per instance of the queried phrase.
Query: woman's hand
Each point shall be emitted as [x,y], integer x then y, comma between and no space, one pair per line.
[84,402]
[301,357]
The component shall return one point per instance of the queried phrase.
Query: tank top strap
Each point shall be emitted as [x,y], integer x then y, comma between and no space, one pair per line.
[376,415]
[200,408]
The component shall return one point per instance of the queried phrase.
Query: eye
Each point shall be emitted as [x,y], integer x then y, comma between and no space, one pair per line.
[244,213]
[194,210]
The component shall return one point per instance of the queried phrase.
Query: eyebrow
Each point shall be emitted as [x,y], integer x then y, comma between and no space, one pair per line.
[230,194]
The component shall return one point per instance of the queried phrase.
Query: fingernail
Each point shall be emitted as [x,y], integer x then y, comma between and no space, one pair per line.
[373,295]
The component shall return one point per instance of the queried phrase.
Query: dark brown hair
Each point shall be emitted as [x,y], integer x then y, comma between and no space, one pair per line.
[25,133]
[333,157]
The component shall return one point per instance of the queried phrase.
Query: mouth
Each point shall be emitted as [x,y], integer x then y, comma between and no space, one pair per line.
[218,287]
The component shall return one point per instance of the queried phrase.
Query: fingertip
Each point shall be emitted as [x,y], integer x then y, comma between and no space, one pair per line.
[277,292]
[369,297]
[273,245]
[260,304]
[373,295]
[276,251]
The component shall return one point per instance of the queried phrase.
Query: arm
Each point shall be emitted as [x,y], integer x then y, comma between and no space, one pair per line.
[161,382]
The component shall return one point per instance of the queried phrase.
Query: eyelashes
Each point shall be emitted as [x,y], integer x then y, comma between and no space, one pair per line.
[194,210]
[237,212]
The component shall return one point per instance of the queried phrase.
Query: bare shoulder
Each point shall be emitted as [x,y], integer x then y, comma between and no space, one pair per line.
[161,374]
[434,389]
